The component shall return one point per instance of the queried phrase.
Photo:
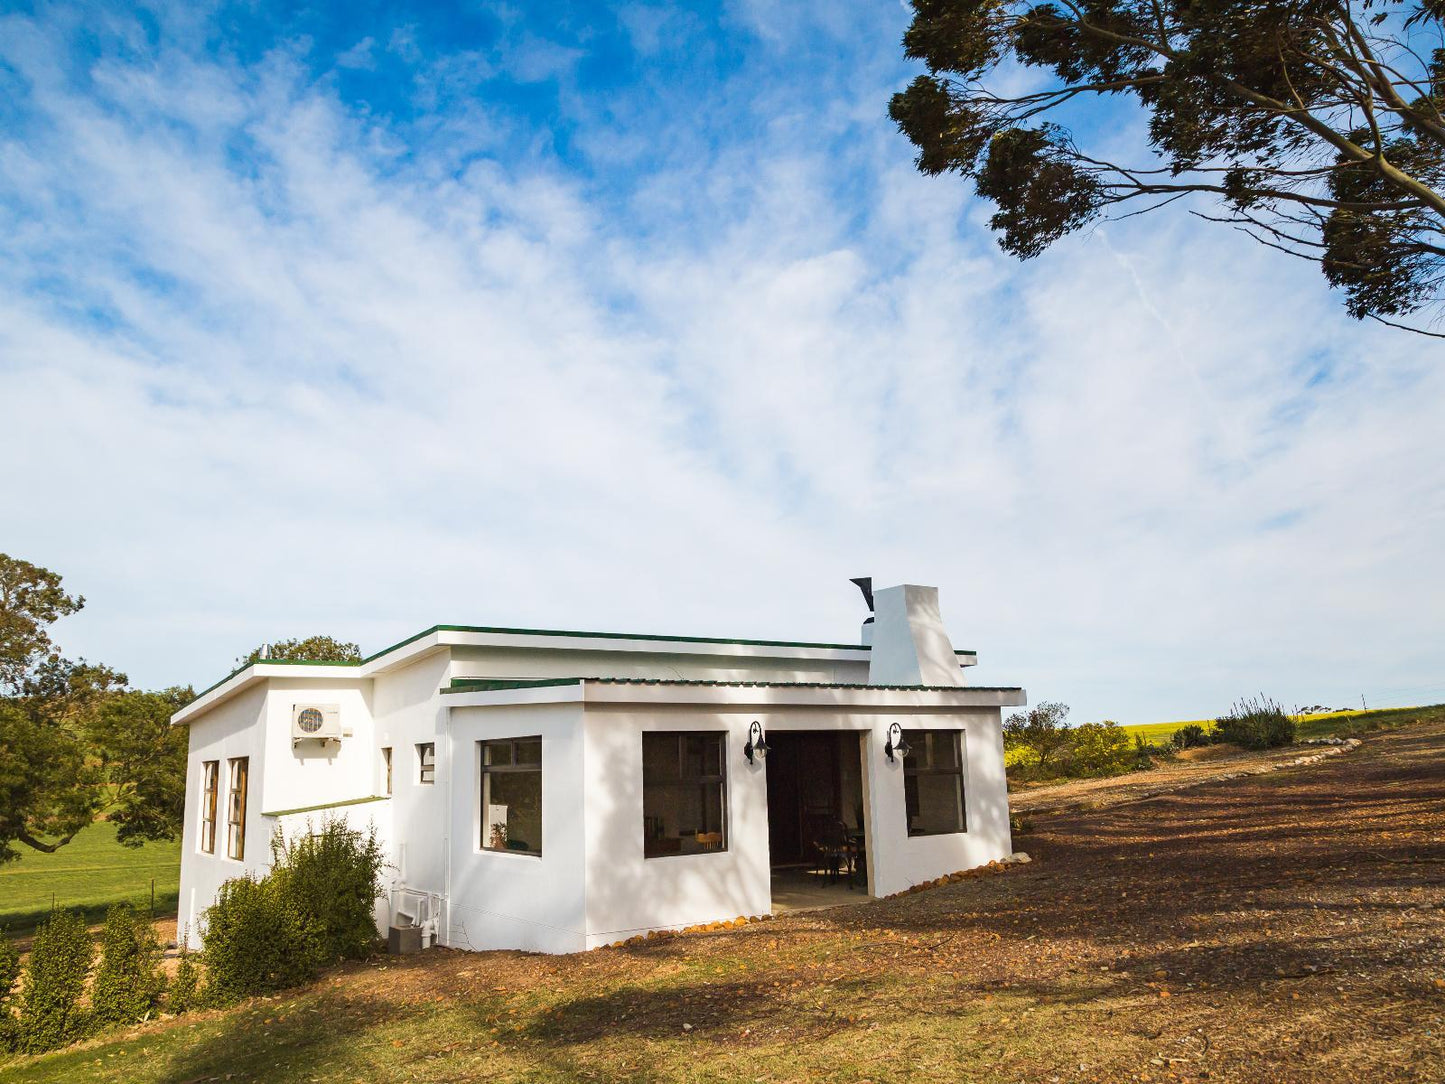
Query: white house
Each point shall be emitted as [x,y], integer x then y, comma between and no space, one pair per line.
[555,791]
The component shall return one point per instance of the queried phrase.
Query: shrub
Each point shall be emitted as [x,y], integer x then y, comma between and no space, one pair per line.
[182,995]
[1257,723]
[256,942]
[9,973]
[1190,737]
[129,982]
[1099,749]
[332,878]
[50,1013]
[1143,754]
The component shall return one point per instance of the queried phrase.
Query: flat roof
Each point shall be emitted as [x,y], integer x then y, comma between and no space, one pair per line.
[497,636]
[651,637]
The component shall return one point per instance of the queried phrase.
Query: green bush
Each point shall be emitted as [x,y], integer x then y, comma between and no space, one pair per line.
[129,981]
[9,974]
[315,907]
[50,1012]
[1190,737]
[1257,723]
[1099,749]
[183,993]
[1141,754]
[333,879]
[256,942]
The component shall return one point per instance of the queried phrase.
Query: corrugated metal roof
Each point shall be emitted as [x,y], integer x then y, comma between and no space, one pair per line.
[472,685]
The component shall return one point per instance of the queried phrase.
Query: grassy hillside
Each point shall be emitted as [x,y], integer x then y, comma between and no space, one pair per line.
[90,873]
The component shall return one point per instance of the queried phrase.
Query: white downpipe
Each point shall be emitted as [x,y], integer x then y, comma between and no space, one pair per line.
[444,911]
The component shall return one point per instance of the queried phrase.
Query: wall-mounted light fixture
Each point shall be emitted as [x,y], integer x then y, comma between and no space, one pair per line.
[757,744]
[895,743]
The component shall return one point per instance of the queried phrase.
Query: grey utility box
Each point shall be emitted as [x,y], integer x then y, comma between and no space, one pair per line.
[403,940]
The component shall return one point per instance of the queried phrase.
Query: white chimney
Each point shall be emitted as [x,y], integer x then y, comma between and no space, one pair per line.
[910,644]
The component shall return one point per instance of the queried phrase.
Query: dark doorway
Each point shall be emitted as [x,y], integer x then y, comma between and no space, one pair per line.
[815,804]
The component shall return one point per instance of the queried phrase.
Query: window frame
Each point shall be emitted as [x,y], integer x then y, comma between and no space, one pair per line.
[514,768]
[210,804]
[387,757]
[918,741]
[237,785]
[684,781]
[425,767]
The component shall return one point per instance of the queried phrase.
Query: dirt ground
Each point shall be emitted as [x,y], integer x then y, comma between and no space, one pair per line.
[1282,927]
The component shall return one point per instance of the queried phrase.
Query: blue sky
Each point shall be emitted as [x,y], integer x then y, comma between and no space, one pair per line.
[361,318]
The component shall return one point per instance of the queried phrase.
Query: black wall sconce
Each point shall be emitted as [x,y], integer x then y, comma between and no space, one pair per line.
[895,743]
[757,744]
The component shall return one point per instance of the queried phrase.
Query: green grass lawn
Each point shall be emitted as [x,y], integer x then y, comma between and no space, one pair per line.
[89,873]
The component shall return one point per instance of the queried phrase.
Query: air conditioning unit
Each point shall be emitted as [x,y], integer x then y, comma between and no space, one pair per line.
[315,722]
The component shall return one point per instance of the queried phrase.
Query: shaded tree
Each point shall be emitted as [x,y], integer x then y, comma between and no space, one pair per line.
[1314,126]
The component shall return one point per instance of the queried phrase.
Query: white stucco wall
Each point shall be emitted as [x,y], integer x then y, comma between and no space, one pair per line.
[408,708]
[234,729]
[517,901]
[527,663]
[897,860]
[629,894]
[312,772]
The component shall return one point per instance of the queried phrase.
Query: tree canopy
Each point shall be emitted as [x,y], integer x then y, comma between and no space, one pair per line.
[1040,730]
[31,599]
[1314,126]
[307,649]
[76,742]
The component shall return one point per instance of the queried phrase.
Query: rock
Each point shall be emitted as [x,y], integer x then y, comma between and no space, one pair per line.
[1018,858]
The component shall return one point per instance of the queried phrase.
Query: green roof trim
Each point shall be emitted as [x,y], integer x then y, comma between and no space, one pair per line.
[329,805]
[487,685]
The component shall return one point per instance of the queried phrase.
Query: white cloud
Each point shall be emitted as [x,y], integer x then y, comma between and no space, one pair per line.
[321,384]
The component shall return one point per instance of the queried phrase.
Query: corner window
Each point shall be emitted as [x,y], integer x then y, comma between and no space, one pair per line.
[210,786]
[511,812]
[386,770]
[933,782]
[236,808]
[684,793]
[426,763]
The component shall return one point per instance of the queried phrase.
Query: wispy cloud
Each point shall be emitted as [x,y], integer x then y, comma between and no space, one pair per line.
[279,356]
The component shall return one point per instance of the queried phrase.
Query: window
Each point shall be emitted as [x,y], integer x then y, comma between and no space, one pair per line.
[684,793]
[426,763]
[933,782]
[512,795]
[211,770]
[386,770]
[236,809]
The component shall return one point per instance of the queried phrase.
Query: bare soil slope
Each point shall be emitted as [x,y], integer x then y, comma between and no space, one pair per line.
[1275,928]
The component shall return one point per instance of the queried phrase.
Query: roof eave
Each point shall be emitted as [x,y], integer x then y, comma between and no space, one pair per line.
[763,696]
